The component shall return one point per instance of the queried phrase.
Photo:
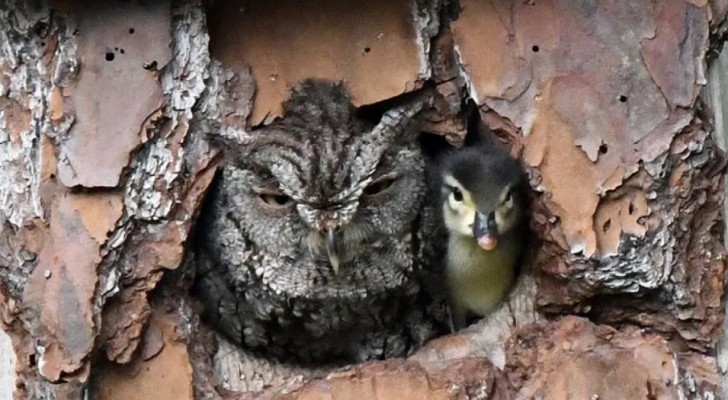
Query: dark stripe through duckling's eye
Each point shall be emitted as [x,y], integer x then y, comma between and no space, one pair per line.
[379,186]
[457,195]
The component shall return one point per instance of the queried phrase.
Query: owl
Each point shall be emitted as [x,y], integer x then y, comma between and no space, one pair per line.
[309,247]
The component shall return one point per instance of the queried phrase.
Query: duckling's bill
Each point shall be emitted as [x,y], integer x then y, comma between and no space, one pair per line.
[484,230]
[487,242]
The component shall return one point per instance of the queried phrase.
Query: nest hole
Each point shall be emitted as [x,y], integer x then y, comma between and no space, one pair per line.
[471,121]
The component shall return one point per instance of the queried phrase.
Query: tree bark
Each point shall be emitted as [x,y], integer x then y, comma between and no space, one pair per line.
[104,109]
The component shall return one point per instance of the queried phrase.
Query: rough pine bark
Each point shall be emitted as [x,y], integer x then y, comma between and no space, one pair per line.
[104,108]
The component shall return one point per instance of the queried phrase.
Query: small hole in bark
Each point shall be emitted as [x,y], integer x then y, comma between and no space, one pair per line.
[121,51]
[131,31]
[535,48]
[622,99]
[41,29]
[31,360]
[75,32]
[603,148]
[151,66]
[42,44]
[631,208]
[367,49]
[109,56]
[650,391]
[607,225]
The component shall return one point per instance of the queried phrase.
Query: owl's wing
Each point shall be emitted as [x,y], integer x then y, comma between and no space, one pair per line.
[213,292]
[432,237]
[223,278]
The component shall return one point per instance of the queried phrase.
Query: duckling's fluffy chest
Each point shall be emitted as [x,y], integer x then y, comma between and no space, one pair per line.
[479,279]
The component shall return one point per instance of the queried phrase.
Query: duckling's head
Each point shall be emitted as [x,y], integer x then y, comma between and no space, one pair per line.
[482,194]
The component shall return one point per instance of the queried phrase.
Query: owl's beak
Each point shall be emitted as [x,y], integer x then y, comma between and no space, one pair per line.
[332,249]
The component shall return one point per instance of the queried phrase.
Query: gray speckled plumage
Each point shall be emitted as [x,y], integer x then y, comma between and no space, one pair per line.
[263,274]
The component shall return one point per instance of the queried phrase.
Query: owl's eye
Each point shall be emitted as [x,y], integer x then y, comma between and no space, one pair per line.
[277,200]
[379,186]
[457,195]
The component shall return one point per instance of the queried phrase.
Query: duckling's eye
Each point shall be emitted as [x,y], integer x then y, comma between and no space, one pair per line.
[457,195]
[378,186]
[508,201]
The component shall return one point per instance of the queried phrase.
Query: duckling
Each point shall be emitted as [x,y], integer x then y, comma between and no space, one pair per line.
[483,206]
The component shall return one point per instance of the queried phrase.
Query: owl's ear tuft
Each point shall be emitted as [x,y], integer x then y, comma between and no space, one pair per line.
[233,145]
[401,124]
[411,130]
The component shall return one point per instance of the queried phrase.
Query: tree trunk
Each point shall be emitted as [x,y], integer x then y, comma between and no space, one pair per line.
[104,109]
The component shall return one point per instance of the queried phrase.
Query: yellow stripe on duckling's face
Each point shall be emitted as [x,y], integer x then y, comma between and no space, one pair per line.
[507,213]
[458,211]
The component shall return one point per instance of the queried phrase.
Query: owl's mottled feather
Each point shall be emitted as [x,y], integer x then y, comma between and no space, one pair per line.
[265,273]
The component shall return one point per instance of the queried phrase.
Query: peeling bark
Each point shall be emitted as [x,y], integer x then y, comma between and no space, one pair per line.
[576,358]
[614,115]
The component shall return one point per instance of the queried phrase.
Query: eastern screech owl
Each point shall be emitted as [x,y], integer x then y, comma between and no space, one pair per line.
[308,248]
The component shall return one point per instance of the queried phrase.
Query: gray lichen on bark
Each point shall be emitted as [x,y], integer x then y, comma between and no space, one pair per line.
[25,89]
